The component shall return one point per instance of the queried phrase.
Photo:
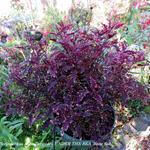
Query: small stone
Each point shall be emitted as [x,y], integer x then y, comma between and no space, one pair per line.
[128,129]
[120,146]
[132,144]
[145,133]
[145,118]
[118,143]
[139,124]
[127,138]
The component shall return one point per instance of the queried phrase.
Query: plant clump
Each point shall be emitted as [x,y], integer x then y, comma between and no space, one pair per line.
[75,85]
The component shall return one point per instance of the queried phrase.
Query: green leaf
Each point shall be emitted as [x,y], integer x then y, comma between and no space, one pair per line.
[19,132]
[11,128]
[129,40]
[147,109]
[16,122]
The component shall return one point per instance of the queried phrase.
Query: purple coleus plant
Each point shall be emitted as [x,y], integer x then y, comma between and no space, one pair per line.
[75,85]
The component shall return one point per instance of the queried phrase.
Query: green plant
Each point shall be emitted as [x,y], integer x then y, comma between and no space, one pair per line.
[147,109]
[10,129]
[85,75]
[35,137]
[3,74]
[52,16]
[15,134]
[135,107]
[80,16]
[136,30]
[131,25]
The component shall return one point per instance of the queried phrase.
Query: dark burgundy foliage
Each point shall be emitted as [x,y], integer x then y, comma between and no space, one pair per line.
[72,86]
